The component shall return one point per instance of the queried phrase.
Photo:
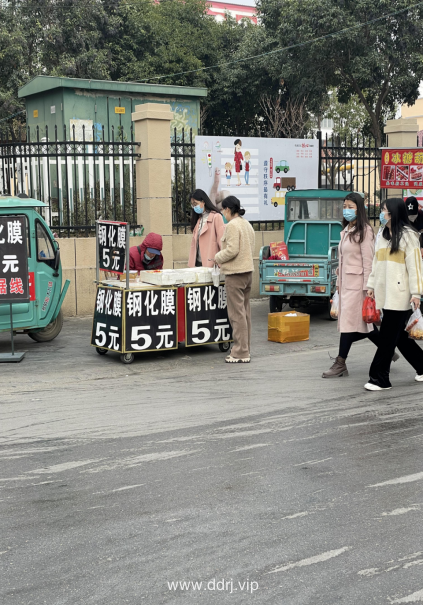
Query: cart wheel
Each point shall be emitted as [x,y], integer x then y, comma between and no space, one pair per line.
[127,358]
[224,346]
[101,351]
[275,304]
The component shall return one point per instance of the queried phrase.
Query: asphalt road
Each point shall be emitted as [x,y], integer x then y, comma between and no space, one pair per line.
[264,482]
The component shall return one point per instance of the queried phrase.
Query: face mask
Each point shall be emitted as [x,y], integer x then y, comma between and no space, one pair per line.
[225,220]
[147,258]
[198,209]
[412,217]
[349,214]
[382,218]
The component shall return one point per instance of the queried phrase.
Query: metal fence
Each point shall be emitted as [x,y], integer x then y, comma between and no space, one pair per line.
[352,165]
[80,178]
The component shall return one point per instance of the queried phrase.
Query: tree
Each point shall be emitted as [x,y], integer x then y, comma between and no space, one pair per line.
[379,62]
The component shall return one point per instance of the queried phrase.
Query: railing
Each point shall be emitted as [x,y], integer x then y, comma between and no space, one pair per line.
[80,180]
[352,165]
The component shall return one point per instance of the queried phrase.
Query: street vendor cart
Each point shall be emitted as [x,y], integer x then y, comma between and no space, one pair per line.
[155,310]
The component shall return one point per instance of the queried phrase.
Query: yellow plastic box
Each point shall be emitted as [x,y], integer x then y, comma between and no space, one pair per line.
[284,327]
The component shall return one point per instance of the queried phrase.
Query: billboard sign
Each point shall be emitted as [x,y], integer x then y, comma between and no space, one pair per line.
[257,171]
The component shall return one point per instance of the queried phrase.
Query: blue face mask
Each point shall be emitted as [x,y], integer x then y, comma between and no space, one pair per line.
[198,209]
[349,214]
[382,219]
[147,258]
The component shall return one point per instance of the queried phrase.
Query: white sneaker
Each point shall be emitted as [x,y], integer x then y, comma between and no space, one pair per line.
[419,378]
[374,387]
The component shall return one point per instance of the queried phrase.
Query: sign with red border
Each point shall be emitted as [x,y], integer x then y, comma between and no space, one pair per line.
[402,169]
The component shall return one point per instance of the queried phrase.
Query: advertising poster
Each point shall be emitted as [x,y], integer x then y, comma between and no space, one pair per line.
[402,169]
[258,171]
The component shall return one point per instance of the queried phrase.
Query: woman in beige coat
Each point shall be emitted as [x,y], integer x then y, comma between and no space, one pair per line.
[207,230]
[236,262]
[356,251]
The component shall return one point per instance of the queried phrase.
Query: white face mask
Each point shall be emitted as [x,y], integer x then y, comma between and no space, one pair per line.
[412,217]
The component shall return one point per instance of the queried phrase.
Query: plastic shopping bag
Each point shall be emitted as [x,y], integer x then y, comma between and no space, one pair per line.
[414,326]
[370,314]
[216,275]
[334,310]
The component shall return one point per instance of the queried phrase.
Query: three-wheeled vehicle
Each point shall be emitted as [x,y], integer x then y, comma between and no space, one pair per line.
[313,223]
[41,318]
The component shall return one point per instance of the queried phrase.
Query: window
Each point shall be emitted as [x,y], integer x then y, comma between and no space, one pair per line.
[45,249]
[314,210]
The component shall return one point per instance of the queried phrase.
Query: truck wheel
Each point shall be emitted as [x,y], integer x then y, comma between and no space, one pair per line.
[127,358]
[277,188]
[293,188]
[289,188]
[275,304]
[224,346]
[285,170]
[101,351]
[49,332]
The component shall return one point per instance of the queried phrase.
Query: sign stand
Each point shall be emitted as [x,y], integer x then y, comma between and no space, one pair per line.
[11,357]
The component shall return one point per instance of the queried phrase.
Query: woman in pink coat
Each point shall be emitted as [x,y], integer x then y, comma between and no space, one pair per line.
[207,228]
[356,251]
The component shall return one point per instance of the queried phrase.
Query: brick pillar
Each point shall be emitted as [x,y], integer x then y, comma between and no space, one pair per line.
[153,172]
[401,133]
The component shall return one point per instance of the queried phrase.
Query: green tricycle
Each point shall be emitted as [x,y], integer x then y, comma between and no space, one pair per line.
[313,223]
[41,317]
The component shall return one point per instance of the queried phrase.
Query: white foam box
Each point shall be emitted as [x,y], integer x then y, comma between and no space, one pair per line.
[173,277]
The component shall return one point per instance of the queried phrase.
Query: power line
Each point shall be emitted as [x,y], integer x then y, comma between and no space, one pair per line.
[291,47]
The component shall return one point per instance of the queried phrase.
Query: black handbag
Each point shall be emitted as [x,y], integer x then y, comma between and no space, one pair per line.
[240,166]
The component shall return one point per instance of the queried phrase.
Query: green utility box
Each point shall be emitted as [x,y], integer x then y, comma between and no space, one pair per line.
[73,102]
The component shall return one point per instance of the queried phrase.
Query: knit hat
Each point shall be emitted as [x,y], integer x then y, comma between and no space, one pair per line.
[412,205]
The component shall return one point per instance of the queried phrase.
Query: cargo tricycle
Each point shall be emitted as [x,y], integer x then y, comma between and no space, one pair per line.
[313,223]
[41,317]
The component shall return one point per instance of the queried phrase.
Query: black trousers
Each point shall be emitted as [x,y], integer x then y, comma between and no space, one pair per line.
[347,339]
[392,334]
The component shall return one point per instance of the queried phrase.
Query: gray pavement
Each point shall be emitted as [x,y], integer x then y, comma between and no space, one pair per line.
[264,482]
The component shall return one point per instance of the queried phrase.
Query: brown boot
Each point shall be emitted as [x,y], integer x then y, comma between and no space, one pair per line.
[338,369]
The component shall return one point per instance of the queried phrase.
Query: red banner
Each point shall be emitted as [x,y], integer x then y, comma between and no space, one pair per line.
[402,168]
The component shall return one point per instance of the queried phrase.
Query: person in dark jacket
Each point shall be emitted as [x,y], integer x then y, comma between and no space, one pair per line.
[415,216]
[147,256]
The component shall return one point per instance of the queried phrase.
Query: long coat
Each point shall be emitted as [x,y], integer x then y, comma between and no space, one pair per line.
[355,266]
[210,240]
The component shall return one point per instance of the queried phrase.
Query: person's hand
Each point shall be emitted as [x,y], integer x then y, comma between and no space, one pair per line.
[415,301]
[371,293]
[337,288]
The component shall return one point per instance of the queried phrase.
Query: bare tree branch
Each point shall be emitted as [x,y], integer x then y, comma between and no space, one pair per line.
[285,120]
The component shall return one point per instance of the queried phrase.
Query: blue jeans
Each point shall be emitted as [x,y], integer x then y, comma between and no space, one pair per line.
[247,177]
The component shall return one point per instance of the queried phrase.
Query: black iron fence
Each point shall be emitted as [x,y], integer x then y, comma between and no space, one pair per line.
[352,165]
[80,178]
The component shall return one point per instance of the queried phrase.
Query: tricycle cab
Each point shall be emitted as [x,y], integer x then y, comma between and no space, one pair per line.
[313,223]
[41,316]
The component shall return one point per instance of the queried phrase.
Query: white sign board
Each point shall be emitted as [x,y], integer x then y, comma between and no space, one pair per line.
[257,171]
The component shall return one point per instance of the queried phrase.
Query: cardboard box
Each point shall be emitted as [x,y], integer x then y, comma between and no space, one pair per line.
[285,327]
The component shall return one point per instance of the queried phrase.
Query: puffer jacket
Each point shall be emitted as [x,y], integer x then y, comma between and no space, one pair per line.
[136,254]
